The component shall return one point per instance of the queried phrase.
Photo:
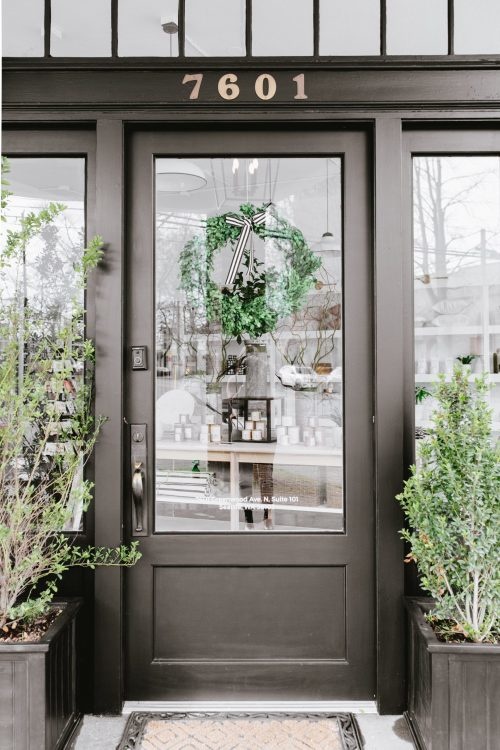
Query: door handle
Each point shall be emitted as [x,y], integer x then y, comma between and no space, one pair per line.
[138,494]
[139,483]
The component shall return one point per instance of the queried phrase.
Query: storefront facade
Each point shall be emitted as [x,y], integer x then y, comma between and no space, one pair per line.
[231,601]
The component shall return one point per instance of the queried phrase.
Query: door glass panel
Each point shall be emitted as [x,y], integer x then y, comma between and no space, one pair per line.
[282,28]
[249,401]
[47,282]
[214,28]
[457,272]
[351,28]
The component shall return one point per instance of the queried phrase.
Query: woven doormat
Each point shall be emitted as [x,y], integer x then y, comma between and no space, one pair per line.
[215,731]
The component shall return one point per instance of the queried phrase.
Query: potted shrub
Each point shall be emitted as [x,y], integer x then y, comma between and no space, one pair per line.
[452,506]
[47,432]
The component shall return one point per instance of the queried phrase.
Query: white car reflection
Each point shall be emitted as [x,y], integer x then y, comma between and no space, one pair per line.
[299,377]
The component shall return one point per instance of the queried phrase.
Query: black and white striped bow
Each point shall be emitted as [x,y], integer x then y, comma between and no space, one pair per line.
[247,225]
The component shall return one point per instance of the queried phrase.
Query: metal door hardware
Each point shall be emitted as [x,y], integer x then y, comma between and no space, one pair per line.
[138,467]
[139,358]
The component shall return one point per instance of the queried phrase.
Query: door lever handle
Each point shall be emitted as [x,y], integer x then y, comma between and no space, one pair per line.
[139,480]
[138,494]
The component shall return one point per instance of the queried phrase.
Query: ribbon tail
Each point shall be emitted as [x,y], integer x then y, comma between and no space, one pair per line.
[238,254]
[250,261]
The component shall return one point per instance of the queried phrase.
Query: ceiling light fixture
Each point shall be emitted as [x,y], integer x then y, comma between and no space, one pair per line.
[169,26]
[327,243]
[178,176]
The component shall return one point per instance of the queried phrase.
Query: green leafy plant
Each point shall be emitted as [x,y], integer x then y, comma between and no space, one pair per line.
[466,359]
[47,430]
[255,304]
[452,505]
[421,393]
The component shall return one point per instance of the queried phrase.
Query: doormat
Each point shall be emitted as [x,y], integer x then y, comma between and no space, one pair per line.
[233,731]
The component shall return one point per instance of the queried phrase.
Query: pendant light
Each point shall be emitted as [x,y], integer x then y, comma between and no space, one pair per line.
[178,176]
[327,243]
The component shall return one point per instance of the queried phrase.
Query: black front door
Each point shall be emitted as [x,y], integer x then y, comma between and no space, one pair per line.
[249,411]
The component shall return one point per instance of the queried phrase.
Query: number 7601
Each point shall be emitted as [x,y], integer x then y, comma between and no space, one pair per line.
[227,86]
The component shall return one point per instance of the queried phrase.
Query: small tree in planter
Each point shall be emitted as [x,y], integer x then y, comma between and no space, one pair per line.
[452,505]
[47,433]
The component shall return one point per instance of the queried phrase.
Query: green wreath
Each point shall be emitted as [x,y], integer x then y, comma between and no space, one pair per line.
[257,299]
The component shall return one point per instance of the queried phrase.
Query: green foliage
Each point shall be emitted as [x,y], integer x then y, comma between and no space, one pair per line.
[254,304]
[421,394]
[43,448]
[452,505]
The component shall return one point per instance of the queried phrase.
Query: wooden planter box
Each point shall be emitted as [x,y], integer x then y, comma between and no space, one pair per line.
[453,689]
[38,707]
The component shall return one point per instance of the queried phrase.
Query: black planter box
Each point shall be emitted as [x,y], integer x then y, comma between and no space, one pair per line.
[38,707]
[453,689]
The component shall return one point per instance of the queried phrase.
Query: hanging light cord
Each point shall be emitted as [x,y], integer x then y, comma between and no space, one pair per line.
[327,200]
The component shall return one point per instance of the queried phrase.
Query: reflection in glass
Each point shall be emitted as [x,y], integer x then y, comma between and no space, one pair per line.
[148,28]
[249,360]
[215,28]
[456,217]
[281,28]
[476,27]
[80,29]
[23,28]
[417,27]
[351,28]
[47,280]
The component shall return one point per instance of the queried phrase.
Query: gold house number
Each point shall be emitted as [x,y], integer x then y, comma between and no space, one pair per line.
[227,86]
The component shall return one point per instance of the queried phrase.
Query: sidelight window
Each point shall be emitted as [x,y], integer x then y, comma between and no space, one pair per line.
[249,383]
[456,220]
[46,282]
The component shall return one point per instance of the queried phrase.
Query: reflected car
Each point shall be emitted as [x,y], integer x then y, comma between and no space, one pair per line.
[299,377]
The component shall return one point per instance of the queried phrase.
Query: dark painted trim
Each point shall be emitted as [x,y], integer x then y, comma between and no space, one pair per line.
[108,464]
[114,29]
[248,29]
[373,62]
[181,33]
[389,337]
[145,91]
[316,28]
[47,26]
[451,27]
[383,27]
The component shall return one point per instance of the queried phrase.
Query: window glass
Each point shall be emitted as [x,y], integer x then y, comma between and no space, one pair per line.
[149,28]
[81,29]
[214,28]
[249,404]
[282,28]
[23,28]
[477,27]
[351,28]
[417,27]
[457,272]
[46,280]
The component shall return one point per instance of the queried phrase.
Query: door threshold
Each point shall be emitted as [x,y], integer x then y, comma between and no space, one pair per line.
[355,707]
